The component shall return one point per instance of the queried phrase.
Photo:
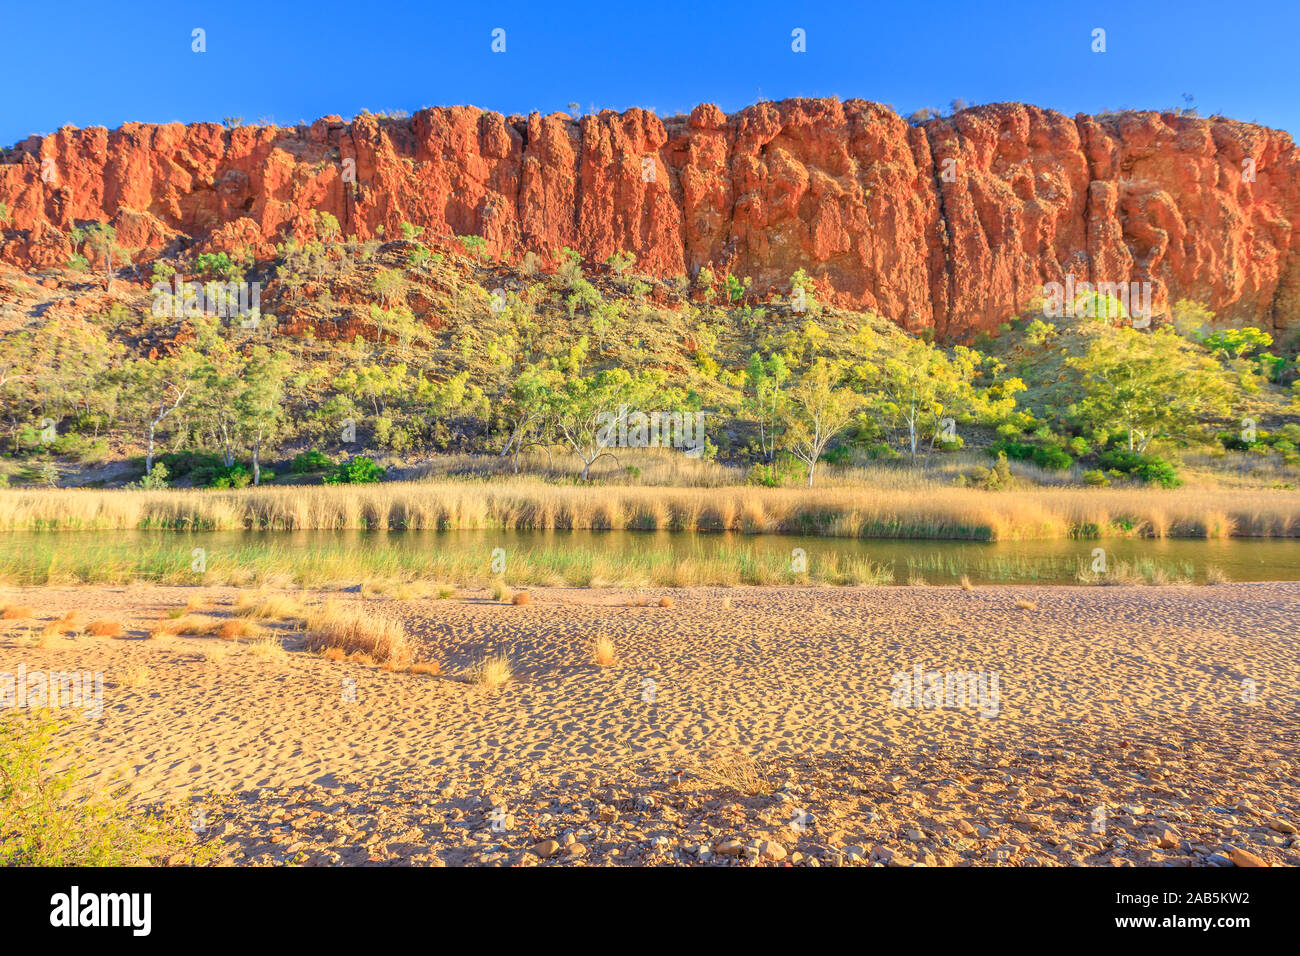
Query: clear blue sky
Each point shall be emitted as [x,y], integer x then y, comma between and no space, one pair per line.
[104,64]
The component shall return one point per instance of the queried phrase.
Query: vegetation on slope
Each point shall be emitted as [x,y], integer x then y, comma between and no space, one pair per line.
[401,352]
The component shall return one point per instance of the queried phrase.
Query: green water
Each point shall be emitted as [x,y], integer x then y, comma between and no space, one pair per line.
[936,562]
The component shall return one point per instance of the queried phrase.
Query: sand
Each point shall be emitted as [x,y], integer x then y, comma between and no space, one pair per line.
[1141,725]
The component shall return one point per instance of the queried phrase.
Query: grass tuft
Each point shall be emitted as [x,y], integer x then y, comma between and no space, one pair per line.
[274,607]
[602,650]
[491,671]
[357,630]
[738,772]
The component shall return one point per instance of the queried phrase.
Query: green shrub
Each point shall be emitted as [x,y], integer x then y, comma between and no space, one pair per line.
[990,479]
[306,462]
[215,265]
[786,470]
[1095,477]
[1052,457]
[155,479]
[1233,441]
[1049,457]
[1147,468]
[359,471]
[185,464]
[236,476]
[51,818]
[1017,450]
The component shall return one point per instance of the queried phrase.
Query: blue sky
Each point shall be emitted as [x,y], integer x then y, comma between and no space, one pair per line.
[94,64]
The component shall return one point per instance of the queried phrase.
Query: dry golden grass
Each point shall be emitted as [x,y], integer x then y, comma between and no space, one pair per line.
[666,601]
[1024,605]
[274,607]
[333,654]
[267,648]
[888,503]
[195,625]
[501,591]
[16,612]
[602,650]
[132,676]
[238,627]
[104,628]
[738,772]
[396,590]
[965,584]
[69,624]
[521,599]
[358,630]
[190,625]
[491,671]
[431,668]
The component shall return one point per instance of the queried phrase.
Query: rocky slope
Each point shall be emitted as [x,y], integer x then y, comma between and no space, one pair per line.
[951,225]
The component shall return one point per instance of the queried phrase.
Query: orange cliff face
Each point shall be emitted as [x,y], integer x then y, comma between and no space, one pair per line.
[952,225]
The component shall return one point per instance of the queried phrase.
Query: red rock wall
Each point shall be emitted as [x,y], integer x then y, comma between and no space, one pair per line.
[953,225]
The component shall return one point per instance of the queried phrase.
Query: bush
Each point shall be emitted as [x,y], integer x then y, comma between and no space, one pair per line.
[359,471]
[1018,450]
[82,447]
[990,479]
[1095,477]
[155,479]
[236,476]
[1233,441]
[306,462]
[1049,457]
[1147,468]
[49,818]
[200,466]
[1052,458]
[784,471]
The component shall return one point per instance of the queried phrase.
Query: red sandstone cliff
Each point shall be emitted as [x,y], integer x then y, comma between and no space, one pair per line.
[866,203]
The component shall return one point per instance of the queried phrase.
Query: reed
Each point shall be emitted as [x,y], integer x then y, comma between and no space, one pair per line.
[923,510]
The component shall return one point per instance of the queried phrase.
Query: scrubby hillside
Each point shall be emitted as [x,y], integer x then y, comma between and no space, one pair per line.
[411,349]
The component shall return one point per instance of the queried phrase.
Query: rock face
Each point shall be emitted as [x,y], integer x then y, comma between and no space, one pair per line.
[952,225]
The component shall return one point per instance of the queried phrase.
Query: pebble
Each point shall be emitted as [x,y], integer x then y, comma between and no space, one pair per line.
[1243,857]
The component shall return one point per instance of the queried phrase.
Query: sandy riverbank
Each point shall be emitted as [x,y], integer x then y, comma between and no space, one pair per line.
[1175,709]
